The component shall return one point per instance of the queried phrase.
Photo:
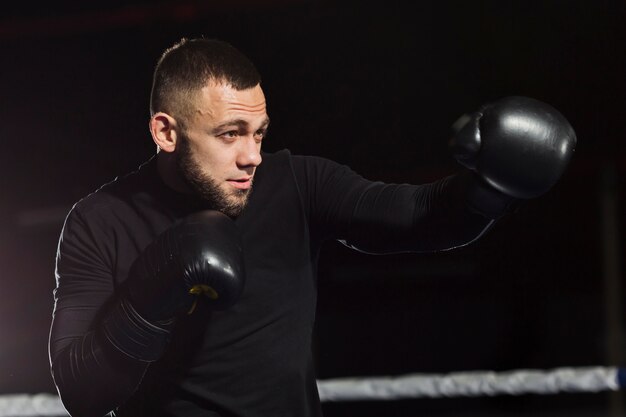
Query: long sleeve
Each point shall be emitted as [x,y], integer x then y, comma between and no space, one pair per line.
[92,376]
[380,218]
[446,214]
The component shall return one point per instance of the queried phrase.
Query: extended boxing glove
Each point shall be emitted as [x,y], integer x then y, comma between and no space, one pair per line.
[200,255]
[518,145]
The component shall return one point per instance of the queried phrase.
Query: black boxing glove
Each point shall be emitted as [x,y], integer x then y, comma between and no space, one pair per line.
[200,255]
[518,145]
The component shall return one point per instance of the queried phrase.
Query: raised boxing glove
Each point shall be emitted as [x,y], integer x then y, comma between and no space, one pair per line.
[518,145]
[200,255]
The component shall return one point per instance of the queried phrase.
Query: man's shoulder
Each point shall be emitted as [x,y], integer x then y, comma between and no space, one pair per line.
[277,156]
[287,158]
[275,163]
[304,164]
[118,192]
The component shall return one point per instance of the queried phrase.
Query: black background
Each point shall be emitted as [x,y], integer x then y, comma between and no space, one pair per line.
[375,85]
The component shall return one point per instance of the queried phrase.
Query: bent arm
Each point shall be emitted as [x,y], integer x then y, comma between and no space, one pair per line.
[93,376]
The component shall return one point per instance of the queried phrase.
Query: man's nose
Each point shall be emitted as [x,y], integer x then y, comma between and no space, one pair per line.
[249,153]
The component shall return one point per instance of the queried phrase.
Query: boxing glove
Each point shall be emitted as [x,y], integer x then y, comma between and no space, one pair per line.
[200,255]
[518,145]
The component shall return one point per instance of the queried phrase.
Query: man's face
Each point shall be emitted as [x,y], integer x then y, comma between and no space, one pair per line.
[219,150]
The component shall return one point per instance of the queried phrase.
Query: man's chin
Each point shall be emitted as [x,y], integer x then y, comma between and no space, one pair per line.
[236,202]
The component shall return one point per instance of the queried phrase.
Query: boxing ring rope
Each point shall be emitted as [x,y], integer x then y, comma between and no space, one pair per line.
[473,384]
[455,384]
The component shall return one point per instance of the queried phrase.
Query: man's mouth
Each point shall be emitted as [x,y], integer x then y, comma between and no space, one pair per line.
[241,183]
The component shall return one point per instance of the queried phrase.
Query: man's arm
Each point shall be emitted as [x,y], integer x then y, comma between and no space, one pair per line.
[446,214]
[90,373]
[102,340]
[376,217]
[515,149]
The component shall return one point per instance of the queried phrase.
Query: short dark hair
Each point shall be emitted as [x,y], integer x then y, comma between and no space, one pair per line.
[188,65]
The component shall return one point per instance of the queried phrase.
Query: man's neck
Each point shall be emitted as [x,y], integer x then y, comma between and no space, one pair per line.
[166,166]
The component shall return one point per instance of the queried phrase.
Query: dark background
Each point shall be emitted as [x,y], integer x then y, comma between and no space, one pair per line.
[375,85]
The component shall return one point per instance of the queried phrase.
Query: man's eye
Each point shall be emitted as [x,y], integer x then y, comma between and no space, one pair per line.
[260,134]
[231,134]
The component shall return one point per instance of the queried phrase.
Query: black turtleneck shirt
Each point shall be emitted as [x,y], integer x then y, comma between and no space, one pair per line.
[254,359]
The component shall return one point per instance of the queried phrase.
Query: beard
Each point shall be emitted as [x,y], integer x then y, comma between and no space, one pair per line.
[206,187]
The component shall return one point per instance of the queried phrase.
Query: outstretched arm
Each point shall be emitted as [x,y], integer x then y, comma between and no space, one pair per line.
[514,149]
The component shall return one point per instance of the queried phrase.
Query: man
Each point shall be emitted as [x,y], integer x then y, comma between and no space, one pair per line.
[187,288]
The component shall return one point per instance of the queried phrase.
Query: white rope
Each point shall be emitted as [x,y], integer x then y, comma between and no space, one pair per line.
[25,405]
[474,383]
[457,384]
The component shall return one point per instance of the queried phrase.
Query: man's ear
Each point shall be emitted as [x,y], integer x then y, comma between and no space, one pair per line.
[164,130]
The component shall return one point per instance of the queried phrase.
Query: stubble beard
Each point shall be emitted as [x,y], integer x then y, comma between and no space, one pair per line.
[206,187]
